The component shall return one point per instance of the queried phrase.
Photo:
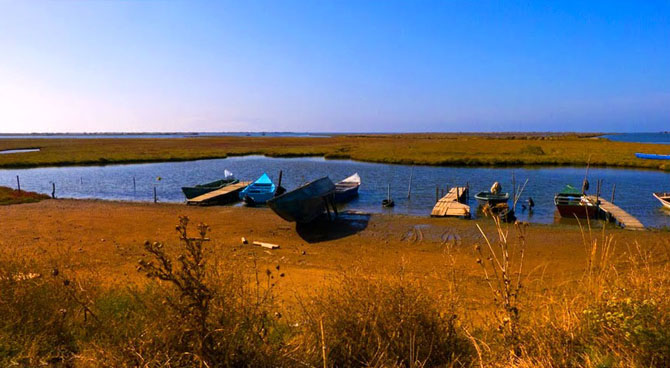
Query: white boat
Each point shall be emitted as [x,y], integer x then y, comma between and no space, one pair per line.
[664,198]
[347,189]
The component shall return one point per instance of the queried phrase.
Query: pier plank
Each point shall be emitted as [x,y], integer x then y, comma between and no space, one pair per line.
[624,218]
[224,194]
[451,204]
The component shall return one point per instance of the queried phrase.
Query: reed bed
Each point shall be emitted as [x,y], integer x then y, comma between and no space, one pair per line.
[13,196]
[197,310]
[416,149]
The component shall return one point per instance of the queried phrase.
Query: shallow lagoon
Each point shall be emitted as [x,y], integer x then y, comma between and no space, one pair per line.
[115,182]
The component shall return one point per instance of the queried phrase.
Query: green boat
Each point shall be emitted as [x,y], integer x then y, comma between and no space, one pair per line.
[200,189]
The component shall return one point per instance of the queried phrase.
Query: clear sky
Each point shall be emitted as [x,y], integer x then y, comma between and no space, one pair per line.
[349,66]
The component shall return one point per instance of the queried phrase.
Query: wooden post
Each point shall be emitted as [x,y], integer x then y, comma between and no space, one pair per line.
[332,204]
[409,189]
[53,190]
[437,193]
[155,196]
[81,181]
[613,191]
[18,183]
[133,184]
[325,202]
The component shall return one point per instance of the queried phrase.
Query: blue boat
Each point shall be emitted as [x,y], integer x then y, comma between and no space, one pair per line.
[259,192]
[652,156]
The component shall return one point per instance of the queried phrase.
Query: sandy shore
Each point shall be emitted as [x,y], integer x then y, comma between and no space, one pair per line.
[104,240]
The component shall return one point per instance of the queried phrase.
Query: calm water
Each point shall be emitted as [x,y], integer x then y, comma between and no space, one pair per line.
[656,138]
[633,187]
[158,135]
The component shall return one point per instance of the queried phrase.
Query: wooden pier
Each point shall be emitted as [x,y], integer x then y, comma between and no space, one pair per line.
[452,204]
[227,194]
[615,213]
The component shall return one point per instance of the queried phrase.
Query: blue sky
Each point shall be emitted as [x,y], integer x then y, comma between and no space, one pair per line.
[367,66]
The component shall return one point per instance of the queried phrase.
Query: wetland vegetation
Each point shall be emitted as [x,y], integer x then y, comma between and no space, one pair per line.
[502,149]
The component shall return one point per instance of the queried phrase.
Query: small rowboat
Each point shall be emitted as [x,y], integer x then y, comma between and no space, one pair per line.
[200,189]
[258,192]
[570,202]
[347,189]
[491,199]
[652,156]
[664,198]
[305,204]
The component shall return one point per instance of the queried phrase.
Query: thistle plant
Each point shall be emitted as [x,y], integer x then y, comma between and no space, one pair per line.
[502,263]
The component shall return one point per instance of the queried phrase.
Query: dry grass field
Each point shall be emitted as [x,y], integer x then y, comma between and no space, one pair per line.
[376,291]
[419,149]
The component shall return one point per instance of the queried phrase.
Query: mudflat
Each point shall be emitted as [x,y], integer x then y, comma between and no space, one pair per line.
[104,240]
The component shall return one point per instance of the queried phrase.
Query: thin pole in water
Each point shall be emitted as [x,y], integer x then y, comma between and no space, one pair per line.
[613,191]
[53,190]
[409,188]
[133,184]
[155,196]
[388,192]
[18,183]
[437,194]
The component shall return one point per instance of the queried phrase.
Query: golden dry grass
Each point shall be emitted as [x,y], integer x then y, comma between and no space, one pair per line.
[592,298]
[419,149]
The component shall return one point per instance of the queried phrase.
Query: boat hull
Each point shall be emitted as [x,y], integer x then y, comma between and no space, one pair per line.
[487,198]
[304,204]
[652,156]
[664,198]
[580,211]
[198,190]
[345,194]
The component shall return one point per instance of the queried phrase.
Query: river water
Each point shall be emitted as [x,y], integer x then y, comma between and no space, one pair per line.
[115,182]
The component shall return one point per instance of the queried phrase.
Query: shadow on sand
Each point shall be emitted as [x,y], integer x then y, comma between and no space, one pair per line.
[322,229]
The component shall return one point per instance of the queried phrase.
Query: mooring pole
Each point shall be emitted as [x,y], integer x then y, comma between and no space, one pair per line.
[18,183]
[155,196]
[409,188]
[613,191]
[133,184]
[53,190]
[437,194]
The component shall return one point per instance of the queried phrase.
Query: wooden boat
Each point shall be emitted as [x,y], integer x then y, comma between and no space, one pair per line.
[258,192]
[304,204]
[491,199]
[652,156]
[347,189]
[664,198]
[571,202]
[200,189]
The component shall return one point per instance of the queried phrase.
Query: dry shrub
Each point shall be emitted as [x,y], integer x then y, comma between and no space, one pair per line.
[193,315]
[44,314]
[617,315]
[361,321]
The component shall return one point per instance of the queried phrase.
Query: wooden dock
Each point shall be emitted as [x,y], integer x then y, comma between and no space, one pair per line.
[227,194]
[615,213]
[452,204]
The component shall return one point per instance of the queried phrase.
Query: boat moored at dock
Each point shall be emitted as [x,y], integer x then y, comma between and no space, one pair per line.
[258,192]
[571,202]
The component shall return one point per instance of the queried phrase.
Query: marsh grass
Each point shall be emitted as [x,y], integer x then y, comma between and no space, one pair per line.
[362,321]
[199,310]
[415,149]
[12,196]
